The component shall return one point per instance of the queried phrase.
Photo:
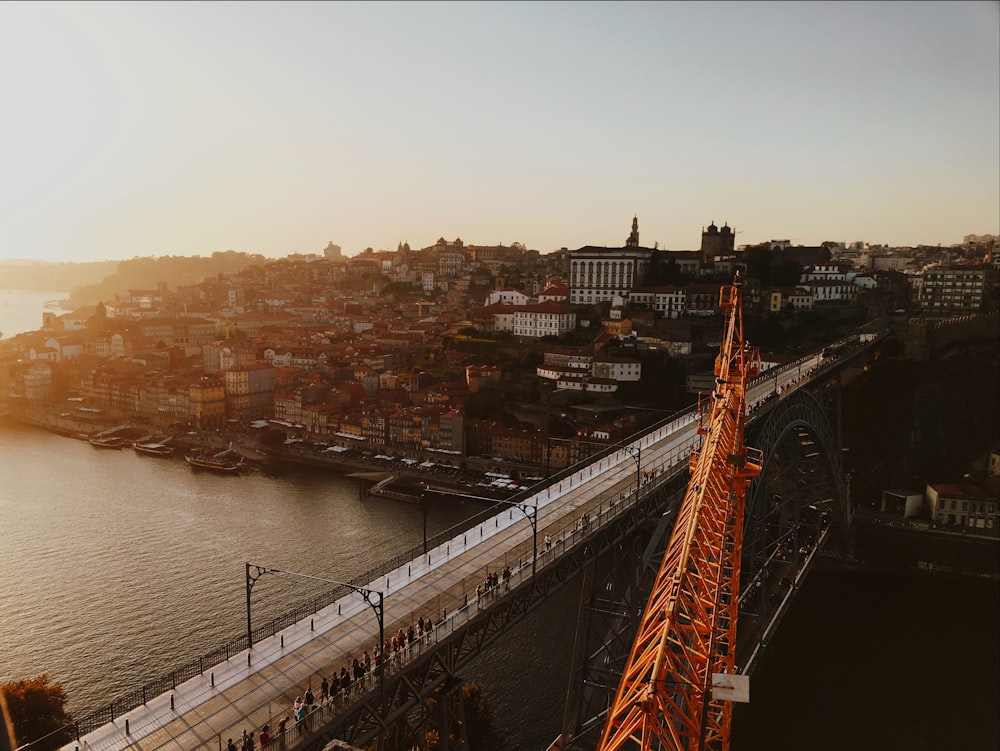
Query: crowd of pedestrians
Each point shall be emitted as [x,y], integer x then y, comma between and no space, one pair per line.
[491,584]
[339,687]
[353,679]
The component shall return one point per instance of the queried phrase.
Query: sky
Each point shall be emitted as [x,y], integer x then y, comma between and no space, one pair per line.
[147,129]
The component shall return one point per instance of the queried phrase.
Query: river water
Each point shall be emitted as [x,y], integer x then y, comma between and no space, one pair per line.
[21,310]
[118,568]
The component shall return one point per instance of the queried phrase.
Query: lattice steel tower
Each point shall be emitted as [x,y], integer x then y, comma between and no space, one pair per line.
[688,629]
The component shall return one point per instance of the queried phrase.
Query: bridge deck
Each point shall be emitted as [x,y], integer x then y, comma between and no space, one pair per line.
[257,686]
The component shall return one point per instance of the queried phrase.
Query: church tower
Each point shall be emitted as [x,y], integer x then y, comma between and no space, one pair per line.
[633,238]
[716,243]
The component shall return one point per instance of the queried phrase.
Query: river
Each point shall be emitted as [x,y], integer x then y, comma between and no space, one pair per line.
[21,310]
[119,567]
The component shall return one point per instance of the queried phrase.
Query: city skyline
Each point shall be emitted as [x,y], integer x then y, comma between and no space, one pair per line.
[185,129]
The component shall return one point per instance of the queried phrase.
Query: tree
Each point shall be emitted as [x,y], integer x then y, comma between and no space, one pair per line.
[758,261]
[481,728]
[37,712]
[786,274]
[273,438]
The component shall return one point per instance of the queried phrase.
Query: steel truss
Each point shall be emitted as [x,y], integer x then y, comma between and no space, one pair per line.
[614,590]
[606,633]
[688,629]
[794,508]
[393,718]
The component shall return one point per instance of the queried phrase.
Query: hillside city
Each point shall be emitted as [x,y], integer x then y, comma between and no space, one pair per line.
[461,356]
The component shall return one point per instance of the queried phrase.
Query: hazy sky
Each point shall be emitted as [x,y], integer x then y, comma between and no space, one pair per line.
[139,129]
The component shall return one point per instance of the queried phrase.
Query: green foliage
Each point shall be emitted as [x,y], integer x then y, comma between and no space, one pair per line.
[665,270]
[273,438]
[174,271]
[37,712]
[758,261]
[401,289]
[786,274]
[481,729]
[486,404]
[767,334]
[481,720]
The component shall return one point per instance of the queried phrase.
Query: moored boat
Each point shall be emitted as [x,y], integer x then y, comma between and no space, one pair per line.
[153,449]
[108,442]
[224,462]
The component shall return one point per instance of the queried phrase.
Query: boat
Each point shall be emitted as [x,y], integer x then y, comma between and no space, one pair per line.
[223,462]
[108,442]
[153,449]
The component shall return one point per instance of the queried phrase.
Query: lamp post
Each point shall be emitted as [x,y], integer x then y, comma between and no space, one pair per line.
[532,518]
[425,504]
[524,508]
[254,572]
[635,452]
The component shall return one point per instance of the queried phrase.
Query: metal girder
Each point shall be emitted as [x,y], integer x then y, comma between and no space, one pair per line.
[396,721]
[613,593]
[687,631]
[793,507]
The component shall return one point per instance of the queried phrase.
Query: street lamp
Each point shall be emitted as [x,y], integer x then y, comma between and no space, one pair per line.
[425,505]
[635,452]
[254,572]
[532,517]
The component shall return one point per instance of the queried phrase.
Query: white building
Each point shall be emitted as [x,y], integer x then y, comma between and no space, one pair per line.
[506,296]
[598,274]
[835,291]
[969,505]
[543,319]
[617,368]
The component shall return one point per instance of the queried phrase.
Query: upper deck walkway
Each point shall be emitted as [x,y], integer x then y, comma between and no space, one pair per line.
[257,686]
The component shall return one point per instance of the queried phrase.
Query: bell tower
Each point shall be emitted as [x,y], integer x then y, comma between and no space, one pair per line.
[633,238]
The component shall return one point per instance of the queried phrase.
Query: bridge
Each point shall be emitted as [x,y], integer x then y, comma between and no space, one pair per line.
[579,522]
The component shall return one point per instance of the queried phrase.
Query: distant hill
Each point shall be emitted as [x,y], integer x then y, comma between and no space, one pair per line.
[45,276]
[90,283]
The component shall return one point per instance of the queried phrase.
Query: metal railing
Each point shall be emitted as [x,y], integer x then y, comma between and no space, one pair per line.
[199,665]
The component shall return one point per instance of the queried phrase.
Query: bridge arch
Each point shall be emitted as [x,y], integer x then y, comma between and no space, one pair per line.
[798,410]
[792,508]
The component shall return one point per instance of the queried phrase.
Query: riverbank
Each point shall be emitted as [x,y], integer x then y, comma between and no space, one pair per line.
[397,477]
[892,544]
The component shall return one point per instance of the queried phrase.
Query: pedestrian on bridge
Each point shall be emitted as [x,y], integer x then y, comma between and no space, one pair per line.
[301,719]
